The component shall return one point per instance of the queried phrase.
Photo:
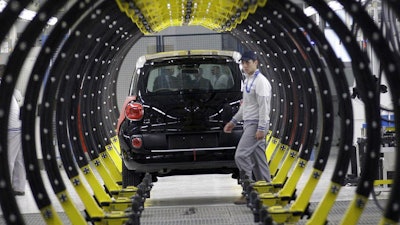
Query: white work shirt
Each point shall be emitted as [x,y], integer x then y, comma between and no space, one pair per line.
[256,103]
[14,122]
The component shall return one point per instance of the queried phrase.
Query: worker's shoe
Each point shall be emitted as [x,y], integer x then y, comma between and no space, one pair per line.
[240,201]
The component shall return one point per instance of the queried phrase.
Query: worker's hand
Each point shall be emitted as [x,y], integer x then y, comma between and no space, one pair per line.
[229,127]
[260,135]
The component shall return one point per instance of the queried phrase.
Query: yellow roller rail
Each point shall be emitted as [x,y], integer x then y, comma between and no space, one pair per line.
[114,151]
[321,213]
[287,164]
[280,151]
[113,165]
[50,215]
[268,153]
[113,162]
[106,202]
[293,214]
[354,211]
[74,215]
[91,206]
[271,147]
[115,143]
[279,180]
[284,195]
[222,15]
[110,184]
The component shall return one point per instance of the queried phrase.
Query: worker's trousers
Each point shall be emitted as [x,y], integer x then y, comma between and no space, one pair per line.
[16,161]
[250,154]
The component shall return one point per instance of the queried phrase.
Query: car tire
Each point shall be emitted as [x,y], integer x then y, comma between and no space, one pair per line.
[130,177]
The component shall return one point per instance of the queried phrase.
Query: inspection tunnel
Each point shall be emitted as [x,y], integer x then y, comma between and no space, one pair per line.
[331,143]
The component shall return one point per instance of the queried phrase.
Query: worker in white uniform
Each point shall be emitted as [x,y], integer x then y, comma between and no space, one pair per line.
[15,157]
[254,111]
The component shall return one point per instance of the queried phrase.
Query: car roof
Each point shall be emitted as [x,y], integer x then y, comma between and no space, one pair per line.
[182,53]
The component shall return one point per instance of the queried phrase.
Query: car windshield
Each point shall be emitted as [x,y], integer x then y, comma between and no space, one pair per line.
[186,77]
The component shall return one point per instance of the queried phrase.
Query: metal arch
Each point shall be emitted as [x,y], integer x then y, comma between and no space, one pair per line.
[284,89]
[293,81]
[70,88]
[97,137]
[289,189]
[364,78]
[289,111]
[326,131]
[391,214]
[307,140]
[12,71]
[38,74]
[87,100]
[10,15]
[279,90]
[73,87]
[311,94]
[321,82]
[303,105]
[52,90]
[324,87]
[296,64]
[106,100]
[8,203]
[391,66]
[345,108]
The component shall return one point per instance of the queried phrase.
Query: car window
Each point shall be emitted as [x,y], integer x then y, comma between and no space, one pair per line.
[203,77]
[220,76]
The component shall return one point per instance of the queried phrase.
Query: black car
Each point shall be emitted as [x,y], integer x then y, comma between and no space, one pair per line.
[172,121]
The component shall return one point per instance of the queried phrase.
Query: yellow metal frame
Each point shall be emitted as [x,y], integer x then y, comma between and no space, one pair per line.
[283,195]
[50,215]
[104,199]
[271,146]
[115,154]
[219,15]
[279,180]
[293,214]
[354,210]
[94,211]
[321,212]
[74,215]
[115,143]
[91,206]
[285,167]
[301,202]
[109,182]
[280,151]
[113,162]
[382,182]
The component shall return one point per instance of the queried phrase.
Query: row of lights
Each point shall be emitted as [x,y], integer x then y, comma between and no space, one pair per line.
[215,15]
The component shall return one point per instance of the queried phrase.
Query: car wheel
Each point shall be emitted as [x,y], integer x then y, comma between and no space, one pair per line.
[130,177]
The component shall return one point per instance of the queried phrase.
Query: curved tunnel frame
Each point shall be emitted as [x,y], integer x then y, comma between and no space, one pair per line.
[103,62]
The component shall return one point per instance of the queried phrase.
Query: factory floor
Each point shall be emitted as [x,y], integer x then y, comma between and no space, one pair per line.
[208,200]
